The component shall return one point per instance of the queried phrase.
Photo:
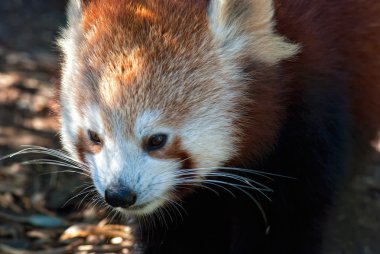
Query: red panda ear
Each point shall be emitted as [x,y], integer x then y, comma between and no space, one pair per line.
[242,26]
[74,11]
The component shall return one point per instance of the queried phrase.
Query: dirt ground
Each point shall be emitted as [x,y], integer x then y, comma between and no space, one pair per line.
[34,213]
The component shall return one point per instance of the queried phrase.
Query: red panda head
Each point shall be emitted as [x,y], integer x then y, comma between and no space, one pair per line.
[153,90]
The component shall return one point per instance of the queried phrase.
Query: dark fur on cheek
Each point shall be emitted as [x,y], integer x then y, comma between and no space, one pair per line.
[176,151]
[85,146]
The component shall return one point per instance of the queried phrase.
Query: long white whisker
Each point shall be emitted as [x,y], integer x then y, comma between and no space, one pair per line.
[93,191]
[82,192]
[66,171]
[172,203]
[232,176]
[42,150]
[49,162]
[185,159]
[244,170]
[199,184]
[238,187]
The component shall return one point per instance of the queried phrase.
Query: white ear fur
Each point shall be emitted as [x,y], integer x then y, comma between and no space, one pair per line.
[246,27]
[74,11]
[70,34]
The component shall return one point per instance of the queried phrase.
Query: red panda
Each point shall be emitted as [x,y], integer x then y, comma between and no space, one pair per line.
[266,102]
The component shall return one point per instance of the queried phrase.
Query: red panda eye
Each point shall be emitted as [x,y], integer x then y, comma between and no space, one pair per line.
[156,142]
[94,137]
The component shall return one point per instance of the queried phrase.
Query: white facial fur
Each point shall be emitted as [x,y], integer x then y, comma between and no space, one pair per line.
[123,160]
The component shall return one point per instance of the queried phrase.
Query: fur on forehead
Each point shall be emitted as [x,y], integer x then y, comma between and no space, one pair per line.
[158,64]
[173,55]
[125,38]
[239,27]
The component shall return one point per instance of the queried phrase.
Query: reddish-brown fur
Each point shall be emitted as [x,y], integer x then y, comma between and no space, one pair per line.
[338,37]
[84,145]
[174,150]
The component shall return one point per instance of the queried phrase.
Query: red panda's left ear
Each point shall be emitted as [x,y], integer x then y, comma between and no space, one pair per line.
[74,12]
[73,31]
[75,9]
[247,26]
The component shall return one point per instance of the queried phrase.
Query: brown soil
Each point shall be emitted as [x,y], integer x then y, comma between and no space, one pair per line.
[28,72]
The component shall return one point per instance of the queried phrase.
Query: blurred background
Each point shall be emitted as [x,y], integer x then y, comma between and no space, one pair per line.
[36,213]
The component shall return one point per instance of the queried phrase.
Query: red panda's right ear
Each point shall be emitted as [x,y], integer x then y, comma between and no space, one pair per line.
[242,27]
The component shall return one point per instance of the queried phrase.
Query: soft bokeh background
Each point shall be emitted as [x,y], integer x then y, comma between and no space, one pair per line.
[34,213]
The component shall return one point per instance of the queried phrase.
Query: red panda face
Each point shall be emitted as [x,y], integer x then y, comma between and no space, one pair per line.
[152,158]
[153,94]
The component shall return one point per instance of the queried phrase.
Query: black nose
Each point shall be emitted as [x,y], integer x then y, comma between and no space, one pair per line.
[120,197]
